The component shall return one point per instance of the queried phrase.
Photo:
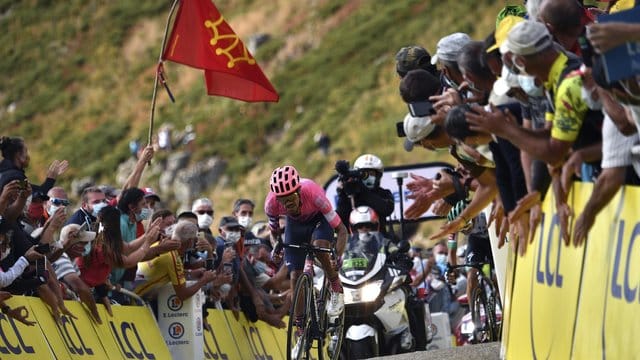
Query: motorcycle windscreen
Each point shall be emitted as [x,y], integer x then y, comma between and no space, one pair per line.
[356,264]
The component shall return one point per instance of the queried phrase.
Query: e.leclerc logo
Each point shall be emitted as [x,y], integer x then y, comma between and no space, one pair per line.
[174,303]
[176,330]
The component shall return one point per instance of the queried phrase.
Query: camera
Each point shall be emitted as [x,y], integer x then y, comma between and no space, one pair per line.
[351,178]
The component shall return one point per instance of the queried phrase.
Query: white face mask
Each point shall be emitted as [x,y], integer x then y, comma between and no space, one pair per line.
[245,221]
[52,209]
[369,182]
[232,236]
[587,96]
[441,259]
[528,84]
[204,221]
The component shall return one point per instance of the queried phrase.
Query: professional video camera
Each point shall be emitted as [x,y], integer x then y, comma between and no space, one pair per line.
[351,178]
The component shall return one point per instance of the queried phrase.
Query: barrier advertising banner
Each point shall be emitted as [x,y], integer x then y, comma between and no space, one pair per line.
[579,302]
[180,322]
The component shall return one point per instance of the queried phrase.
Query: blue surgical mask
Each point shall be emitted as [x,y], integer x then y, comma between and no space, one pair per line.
[528,85]
[441,259]
[97,207]
[144,214]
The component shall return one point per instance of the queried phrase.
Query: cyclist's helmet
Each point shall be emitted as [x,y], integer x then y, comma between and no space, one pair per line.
[456,210]
[364,215]
[284,180]
[370,162]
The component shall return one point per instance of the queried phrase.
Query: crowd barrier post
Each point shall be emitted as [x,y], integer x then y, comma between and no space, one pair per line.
[180,323]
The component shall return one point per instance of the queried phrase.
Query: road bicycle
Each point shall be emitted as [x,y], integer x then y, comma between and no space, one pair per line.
[311,300]
[484,305]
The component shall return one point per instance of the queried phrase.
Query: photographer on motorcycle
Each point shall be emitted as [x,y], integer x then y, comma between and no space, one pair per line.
[360,186]
[367,239]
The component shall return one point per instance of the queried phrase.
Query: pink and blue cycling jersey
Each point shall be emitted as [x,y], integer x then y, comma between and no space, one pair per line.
[313,200]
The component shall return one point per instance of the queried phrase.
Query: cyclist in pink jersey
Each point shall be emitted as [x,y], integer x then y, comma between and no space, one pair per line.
[310,217]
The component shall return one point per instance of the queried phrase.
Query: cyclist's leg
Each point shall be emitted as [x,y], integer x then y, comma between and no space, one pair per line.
[295,233]
[478,251]
[323,237]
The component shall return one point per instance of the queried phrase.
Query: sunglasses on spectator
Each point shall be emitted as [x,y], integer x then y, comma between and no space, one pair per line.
[202,212]
[60,202]
[366,225]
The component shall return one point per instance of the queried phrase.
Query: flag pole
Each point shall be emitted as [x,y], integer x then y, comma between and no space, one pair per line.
[159,72]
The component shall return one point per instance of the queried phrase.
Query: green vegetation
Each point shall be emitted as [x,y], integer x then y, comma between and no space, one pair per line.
[80,74]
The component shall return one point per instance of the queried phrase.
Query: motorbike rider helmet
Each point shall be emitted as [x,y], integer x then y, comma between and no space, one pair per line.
[284,180]
[370,162]
[364,215]
[455,212]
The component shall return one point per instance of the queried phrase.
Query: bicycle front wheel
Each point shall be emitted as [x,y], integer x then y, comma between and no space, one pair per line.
[333,328]
[298,342]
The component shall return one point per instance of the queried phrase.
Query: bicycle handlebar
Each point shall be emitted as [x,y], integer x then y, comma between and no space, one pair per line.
[478,266]
[309,247]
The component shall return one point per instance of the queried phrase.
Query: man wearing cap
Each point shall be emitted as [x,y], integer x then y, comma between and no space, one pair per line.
[414,57]
[76,242]
[151,197]
[531,50]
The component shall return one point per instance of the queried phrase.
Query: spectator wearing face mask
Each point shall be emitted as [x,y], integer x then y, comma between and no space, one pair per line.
[34,216]
[133,210]
[93,200]
[243,211]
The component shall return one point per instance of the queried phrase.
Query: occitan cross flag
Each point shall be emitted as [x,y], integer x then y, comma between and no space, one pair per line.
[201,38]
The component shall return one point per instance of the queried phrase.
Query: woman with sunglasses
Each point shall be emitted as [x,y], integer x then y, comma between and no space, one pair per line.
[309,218]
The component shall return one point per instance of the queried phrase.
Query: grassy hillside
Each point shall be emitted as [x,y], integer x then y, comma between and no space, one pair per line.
[78,75]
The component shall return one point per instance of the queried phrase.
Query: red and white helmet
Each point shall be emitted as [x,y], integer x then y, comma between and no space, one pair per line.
[284,180]
[364,215]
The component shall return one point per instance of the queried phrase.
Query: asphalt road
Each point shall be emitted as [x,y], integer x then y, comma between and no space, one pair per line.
[490,351]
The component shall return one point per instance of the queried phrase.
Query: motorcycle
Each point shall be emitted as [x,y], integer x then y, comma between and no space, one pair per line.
[376,294]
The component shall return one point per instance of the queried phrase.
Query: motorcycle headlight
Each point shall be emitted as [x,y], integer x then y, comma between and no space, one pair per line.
[371,291]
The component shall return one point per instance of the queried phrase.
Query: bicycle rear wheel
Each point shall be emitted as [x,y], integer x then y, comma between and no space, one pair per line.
[333,329]
[301,300]
[492,299]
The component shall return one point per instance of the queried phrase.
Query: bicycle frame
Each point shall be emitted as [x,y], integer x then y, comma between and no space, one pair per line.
[317,324]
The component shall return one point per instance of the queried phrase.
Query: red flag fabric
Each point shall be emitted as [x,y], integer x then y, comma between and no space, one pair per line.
[201,38]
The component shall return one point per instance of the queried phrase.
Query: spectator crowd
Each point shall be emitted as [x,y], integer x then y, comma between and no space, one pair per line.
[531,107]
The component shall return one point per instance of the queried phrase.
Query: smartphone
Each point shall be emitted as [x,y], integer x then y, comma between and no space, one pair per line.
[227,267]
[421,109]
[23,184]
[43,248]
[400,129]
[209,264]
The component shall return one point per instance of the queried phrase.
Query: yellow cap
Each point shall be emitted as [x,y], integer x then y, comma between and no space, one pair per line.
[502,31]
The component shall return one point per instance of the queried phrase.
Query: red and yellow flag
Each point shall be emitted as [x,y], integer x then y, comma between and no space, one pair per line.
[201,38]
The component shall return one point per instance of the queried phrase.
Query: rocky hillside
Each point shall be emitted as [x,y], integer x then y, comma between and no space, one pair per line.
[78,75]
